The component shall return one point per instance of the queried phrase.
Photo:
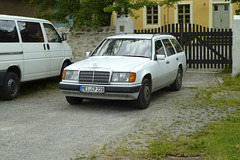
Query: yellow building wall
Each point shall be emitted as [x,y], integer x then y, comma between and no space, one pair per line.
[200,13]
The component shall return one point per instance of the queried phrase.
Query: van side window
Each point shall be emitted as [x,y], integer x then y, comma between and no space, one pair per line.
[51,33]
[8,31]
[169,48]
[31,32]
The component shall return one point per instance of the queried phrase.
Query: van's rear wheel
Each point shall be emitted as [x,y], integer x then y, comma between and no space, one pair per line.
[11,87]
[74,100]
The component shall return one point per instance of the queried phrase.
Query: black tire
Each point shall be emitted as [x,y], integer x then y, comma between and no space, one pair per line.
[11,87]
[144,97]
[177,85]
[74,100]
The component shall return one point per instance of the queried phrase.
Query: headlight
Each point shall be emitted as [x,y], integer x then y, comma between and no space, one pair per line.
[123,77]
[70,75]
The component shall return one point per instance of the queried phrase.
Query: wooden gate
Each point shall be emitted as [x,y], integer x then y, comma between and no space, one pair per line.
[204,47]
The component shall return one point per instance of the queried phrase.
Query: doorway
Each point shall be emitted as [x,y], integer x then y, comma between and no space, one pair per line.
[221,16]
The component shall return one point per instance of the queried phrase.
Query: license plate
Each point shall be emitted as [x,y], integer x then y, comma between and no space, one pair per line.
[92,89]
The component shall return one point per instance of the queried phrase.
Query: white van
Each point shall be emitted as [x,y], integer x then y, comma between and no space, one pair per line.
[30,49]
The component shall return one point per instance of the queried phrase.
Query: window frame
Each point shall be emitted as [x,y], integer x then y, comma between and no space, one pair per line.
[184,14]
[145,24]
[176,10]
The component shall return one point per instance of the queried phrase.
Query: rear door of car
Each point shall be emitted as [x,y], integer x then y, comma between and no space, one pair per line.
[172,60]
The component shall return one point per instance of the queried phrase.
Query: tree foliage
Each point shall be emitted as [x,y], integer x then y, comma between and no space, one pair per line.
[90,12]
[237,11]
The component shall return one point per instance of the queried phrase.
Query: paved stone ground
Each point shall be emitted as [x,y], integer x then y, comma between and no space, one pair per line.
[201,78]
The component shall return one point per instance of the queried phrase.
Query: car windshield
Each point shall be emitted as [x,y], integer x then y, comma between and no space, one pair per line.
[124,47]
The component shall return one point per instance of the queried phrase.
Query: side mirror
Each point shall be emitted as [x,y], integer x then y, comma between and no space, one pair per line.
[88,54]
[64,37]
[161,57]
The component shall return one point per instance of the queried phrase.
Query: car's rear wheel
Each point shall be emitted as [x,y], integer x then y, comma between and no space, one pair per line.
[11,87]
[177,85]
[74,100]
[144,97]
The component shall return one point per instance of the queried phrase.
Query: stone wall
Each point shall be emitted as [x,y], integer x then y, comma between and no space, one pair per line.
[85,40]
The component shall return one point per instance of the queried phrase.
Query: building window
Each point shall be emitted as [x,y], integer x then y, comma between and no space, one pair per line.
[152,15]
[184,13]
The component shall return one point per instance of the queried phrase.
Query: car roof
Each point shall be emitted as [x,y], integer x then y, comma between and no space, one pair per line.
[140,36]
[21,18]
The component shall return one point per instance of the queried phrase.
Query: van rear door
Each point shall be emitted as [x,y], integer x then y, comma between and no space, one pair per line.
[36,59]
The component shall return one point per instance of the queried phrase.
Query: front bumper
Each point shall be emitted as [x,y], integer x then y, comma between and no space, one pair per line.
[112,92]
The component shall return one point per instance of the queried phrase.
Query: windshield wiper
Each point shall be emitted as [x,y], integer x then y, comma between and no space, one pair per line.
[136,56]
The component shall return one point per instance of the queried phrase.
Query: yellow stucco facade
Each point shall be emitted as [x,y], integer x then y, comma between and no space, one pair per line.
[207,13]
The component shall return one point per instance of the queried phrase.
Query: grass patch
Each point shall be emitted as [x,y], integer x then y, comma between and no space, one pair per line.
[227,70]
[33,87]
[219,140]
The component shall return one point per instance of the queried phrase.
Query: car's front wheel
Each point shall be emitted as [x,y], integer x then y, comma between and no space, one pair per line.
[144,97]
[74,100]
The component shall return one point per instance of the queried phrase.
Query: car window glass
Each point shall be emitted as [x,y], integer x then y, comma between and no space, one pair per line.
[31,32]
[8,31]
[51,33]
[125,47]
[159,50]
[176,45]
[168,46]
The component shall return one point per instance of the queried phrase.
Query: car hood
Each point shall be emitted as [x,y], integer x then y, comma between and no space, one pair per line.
[109,63]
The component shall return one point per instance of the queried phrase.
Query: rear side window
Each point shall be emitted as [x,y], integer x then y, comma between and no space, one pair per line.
[176,45]
[168,46]
[30,32]
[8,31]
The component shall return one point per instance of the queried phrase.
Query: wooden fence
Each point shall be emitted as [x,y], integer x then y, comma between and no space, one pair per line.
[204,47]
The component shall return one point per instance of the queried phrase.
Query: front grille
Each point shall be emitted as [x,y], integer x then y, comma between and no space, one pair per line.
[97,77]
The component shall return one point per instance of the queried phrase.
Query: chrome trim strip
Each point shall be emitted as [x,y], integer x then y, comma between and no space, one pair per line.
[11,53]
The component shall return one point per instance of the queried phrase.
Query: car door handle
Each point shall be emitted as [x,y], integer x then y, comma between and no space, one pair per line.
[167,62]
[177,58]
[48,46]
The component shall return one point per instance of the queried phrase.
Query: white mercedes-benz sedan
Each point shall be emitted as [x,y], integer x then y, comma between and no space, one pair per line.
[126,67]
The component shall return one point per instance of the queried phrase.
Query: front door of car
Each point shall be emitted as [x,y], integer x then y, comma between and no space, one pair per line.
[36,60]
[162,72]
[55,48]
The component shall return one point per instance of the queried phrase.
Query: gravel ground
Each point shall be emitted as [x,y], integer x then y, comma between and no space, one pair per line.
[45,126]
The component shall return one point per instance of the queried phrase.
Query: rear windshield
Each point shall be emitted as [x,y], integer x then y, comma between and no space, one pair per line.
[125,47]
[8,31]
